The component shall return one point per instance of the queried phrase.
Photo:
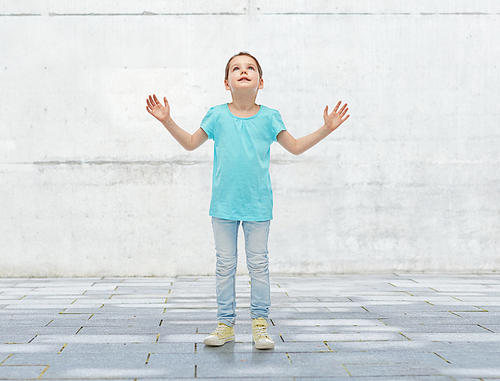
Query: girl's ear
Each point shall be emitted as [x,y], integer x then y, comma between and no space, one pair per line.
[226,85]
[261,83]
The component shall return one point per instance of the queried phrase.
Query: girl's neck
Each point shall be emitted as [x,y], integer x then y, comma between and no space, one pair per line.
[243,109]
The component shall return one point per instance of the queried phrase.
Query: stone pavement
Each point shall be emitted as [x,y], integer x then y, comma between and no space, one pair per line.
[352,327]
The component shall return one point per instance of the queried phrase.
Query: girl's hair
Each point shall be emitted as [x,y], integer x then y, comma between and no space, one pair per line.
[243,54]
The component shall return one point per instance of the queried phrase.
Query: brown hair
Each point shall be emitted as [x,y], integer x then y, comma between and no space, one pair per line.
[243,54]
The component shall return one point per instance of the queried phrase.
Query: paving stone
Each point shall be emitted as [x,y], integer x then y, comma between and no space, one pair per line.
[409,321]
[391,327]
[420,346]
[472,359]
[41,339]
[333,322]
[391,314]
[181,338]
[26,310]
[96,379]
[491,327]
[29,330]
[22,372]
[172,371]
[16,339]
[258,364]
[489,373]
[480,315]
[305,347]
[114,330]
[482,337]
[394,369]
[26,321]
[174,348]
[369,357]
[404,378]
[28,348]
[286,331]
[87,360]
[278,313]
[431,328]
[72,321]
[342,336]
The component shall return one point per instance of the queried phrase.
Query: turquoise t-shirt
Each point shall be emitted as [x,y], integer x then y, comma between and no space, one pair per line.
[241,184]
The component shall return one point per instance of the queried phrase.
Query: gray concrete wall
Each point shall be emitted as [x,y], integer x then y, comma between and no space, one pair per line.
[91,184]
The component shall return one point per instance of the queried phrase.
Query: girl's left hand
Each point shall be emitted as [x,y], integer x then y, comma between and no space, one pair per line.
[336,118]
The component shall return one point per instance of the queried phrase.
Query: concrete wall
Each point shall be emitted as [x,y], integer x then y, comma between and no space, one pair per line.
[91,184]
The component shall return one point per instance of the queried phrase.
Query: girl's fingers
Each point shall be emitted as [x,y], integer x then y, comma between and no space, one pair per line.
[153,101]
[337,106]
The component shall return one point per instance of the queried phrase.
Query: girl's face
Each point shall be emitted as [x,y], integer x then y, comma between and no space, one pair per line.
[243,74]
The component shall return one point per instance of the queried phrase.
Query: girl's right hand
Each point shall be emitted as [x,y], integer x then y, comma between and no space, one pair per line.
[155,108]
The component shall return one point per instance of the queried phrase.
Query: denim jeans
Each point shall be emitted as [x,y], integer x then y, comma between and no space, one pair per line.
[226,238]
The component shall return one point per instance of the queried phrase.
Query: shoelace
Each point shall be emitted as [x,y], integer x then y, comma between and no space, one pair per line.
[220,330]
[261,332]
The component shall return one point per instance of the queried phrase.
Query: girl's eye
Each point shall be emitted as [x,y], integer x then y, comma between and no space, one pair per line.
[236,68]
[251,68]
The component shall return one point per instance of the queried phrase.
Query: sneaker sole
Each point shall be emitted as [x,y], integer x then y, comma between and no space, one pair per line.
[264,345]
[218,343]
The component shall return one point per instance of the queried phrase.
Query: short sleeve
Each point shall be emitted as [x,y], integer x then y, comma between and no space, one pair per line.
[207,124]
[277,124]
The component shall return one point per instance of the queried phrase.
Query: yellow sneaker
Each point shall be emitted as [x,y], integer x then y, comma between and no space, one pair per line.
[260,336]
[222,334]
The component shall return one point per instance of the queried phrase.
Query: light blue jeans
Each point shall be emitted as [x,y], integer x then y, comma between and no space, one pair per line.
[226,238]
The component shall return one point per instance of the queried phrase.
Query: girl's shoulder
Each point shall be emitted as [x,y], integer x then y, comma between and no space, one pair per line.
[268,110]
[222,110]
[218,108]
[215,112]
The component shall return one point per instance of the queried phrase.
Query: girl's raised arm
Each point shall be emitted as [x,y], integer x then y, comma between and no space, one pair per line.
[332,122]
[162,113]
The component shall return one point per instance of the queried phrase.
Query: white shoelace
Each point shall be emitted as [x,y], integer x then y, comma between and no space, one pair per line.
[220,330]
[261,332]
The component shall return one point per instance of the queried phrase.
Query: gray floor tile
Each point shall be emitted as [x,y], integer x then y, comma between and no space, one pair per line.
[390,327]
[32,331]
[431,328]
[16,339]
[342,336]
[28,348]
[404,378]
[66,359]
[472,358]
[465,337]
[22,372]
[394,369]
[141,348]
[42,339]
[174,371]
[369,357]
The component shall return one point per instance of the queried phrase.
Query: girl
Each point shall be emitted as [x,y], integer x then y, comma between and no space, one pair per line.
[243,132]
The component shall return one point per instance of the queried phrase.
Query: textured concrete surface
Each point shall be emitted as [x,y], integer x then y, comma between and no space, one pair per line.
[385,327]
[92,185]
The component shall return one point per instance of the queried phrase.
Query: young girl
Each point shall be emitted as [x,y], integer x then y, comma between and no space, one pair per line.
[243,132]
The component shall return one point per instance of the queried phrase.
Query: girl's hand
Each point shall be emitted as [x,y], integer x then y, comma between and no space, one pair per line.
[336,118]
[155,108]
